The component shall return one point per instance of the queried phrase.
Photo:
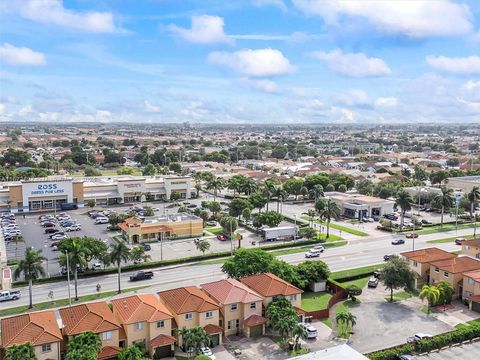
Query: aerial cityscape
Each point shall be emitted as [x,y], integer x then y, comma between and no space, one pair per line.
[251,179]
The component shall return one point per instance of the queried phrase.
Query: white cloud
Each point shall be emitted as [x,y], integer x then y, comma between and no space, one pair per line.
[255,63]
[2,108]
[52,12]
[205,29]
[465,65]
[416,19]
[295,37]
[24,111]
[150,108]
[277,3]
[264,85]
[21,56]
[353,64]
[354,98]
[386,102]
[103,115]
[342,115]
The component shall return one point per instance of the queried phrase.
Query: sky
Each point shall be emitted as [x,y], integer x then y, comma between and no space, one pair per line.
[240,61]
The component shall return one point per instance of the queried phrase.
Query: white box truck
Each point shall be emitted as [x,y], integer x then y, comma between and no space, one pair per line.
[278,233]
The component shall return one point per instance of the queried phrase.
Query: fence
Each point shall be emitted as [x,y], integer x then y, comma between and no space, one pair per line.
[338,294]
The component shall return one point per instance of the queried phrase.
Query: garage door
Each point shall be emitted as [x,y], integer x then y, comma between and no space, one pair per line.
[256,330]
[215,340]
[476,306]
[163,352]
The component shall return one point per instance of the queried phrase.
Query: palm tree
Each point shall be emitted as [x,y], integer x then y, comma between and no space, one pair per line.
[446,292]
[216,184]
[431,293]
[346,320]
[329,211]
[298,332]
[404,201]
[77,253]
[249,186]
[444,200]
[269,190]
[285,326]
[203,246]
[473,198]
[119,252]
[316,192]
[31,267]
[311,215]
[138,254]
[281,195]
[17,239]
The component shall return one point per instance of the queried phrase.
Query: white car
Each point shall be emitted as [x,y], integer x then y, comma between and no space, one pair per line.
[418,336]
[318,248]
[310,330]
[58,237]
[74,227]
[207,352]
[312,253]
[101,220]
[96,266]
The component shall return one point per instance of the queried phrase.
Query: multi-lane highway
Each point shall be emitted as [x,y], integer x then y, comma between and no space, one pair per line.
[360,252]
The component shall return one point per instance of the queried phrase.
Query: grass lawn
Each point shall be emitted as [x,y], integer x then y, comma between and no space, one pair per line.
[357,271]
[346,305]
[439,228]
[424,309]
[328,322]
[361,283]
[315,301]
[399,296]
[64,302]
[329,239]
[215,230]
[338,227]
[448,240]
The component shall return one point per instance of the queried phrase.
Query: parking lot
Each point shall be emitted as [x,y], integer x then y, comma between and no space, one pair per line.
[463,352]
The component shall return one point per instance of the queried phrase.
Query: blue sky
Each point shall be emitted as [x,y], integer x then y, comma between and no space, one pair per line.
[242,61]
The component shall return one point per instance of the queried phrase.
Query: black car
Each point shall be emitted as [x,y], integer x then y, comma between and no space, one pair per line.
[373,282]
[389,257]
[51,231]
[398,242]
[147,247]
[426,222]
[391,217]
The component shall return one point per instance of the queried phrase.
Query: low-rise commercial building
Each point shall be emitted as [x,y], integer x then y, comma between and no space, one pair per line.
[357,206]
[53,191]
[463,183]
[181,225]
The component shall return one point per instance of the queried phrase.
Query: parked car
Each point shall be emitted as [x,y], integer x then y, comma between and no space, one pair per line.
[141,275]
[51,230]
[310,330]
[58,236]
[312,253]
[398,242]
[458,241]
[96,266]
[426,222]
[191,206]
[8,295]
[211,223]
[391,217]
[373,282]
[412,235]
[74,227]
[221,237]
[56,233]
[101,220]
[417,337]
[48,224]
[405,357]
[389,257]
[147,247]
[207,352]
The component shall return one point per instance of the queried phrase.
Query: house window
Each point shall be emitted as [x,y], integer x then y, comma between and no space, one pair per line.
[253,306]
[293,297]
[107,335]
[160,324]
[470,281]
[46,348]
[234,307]
[188,316]
[437,269]
[237,323]
[233,324]
[445,274]
[467,247]
[415,264]
[209,314]
[138,326]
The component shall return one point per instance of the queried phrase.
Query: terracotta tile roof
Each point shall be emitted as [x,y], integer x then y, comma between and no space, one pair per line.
[428,255]
[37,328]
[458,264]
[473,242]
[474,298]
[108,352]
[162,340]
[212,329]
[270,285]
[188,299]
[475,275]
[254,320]
[95,317]
[231,291]
[143,307]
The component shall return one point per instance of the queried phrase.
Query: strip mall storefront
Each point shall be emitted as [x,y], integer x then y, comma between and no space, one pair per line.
[49,193]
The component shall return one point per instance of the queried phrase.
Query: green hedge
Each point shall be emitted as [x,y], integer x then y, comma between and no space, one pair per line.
[426,345]
[156,264]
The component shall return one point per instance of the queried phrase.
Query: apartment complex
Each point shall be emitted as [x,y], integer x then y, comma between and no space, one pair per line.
[181,225]
[51,192]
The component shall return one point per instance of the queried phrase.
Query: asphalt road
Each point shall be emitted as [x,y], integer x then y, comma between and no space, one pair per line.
[357,253]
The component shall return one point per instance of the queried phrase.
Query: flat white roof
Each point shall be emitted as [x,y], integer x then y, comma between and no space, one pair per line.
[340,352]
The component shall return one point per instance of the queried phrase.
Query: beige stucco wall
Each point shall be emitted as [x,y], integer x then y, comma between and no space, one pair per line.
[77,188]
[242,313]
[295,302]
[53,354]
[452,279]
[473,289]
[15,195]
[473,251]
[214,320]
[136,335]
[422,270]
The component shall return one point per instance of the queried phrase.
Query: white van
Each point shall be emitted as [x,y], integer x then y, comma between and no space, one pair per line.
[313,253]
[310,330]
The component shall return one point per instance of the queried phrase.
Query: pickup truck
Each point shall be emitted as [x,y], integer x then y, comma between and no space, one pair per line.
[9,295]
[141,275]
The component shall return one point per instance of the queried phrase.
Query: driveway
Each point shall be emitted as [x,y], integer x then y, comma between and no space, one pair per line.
[381,325]
[253,349]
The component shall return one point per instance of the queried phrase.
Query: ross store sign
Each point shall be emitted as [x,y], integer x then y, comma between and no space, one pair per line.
[46,189]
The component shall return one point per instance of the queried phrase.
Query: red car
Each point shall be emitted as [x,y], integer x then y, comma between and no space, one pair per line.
[222,237]
[48,225]
[412,235]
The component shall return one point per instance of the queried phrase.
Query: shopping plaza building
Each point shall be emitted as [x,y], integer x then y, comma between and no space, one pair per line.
[49,193]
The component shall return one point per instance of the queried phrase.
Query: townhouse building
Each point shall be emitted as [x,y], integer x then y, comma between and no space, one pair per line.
[241,307]
[471,248]
[40,329]
[471,289]
[192,307]
[147,321]
[97,318]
